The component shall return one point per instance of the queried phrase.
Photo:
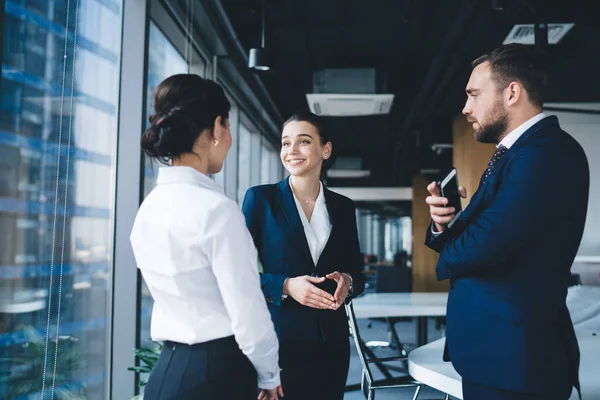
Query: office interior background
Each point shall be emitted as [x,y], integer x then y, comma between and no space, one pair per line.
[387,75]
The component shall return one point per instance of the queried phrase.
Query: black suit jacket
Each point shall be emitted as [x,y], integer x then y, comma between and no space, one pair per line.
[278,233]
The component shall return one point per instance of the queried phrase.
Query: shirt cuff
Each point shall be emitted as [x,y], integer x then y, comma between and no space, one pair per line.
[269,383]
[284,296]
[351,282]
[434,233]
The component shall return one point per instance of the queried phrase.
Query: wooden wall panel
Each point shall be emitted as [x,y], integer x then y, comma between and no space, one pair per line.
[424,259]
[470,158]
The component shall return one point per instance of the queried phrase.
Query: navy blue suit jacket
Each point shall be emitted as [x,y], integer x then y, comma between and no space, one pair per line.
[508,259]
[278,233]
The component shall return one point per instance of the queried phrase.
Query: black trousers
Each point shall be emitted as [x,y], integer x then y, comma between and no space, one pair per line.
[314,370]
[213,370]
[476,391]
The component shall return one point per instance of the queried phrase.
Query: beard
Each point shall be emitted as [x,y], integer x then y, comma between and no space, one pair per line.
[495,129]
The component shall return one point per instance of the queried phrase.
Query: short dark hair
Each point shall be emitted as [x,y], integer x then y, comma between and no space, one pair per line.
[185,105]
[314,120]
[521,63]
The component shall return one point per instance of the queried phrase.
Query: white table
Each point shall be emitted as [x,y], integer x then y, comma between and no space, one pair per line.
[425,364]
[391,305]
[21,308]
[20,301]
[381,305]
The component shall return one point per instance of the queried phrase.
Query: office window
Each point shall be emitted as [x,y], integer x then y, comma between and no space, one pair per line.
[270,165]
[244,161]
[276,166]
[163,61]
[56,272]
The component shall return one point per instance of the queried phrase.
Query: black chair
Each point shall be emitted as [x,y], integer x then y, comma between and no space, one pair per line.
[368,384]
[397,279]
[574,280]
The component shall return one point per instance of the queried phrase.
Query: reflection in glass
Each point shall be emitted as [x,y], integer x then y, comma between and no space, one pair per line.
[30,120]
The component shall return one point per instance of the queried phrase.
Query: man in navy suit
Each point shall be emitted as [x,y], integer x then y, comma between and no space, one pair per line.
[509,255]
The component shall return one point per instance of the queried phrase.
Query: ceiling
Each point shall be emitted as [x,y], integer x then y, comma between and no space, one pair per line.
[422,50]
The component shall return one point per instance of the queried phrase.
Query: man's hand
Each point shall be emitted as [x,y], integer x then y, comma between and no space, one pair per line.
[441,215]
[343,287]
[304,292]
[271,394]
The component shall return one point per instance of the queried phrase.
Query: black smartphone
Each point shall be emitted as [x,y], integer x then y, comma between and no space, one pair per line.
[449,189]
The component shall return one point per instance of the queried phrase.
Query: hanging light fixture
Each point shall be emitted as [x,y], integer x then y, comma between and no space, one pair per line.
[257,57]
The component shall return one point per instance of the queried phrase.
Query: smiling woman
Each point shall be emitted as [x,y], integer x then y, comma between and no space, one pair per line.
[307,242]
[305,146]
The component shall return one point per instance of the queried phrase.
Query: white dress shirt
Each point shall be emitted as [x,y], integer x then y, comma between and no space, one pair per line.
[513,136]
[198,260]
[508,141]
[318,229]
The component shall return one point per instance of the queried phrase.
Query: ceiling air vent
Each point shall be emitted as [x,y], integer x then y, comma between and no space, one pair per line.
[525,33]
[342,104]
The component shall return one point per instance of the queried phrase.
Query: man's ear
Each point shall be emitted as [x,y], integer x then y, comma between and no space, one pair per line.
[513,93]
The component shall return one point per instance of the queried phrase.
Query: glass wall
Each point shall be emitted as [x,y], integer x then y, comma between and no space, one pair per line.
[244,161]
[163,61]
[57,187]
[270,164]
[58,146]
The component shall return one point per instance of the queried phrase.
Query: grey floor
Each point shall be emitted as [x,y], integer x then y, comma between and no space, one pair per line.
[377,330]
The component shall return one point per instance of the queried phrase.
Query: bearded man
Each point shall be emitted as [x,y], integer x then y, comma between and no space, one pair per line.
[508,257]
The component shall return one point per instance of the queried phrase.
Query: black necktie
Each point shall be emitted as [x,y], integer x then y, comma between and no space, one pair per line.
[500,151]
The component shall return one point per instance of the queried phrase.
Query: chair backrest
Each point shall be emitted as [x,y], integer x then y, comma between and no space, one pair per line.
[574,280]
[358,342]
[393,279]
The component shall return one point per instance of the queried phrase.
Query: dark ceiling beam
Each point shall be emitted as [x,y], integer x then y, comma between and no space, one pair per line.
[235,51]
[407,148]
[302,62]
[461,58]
[458,30]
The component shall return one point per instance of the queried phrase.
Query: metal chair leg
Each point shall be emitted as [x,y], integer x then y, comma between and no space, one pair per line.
[416,396]
[371,394]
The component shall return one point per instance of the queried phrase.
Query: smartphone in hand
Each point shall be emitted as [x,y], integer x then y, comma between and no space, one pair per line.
[449,189]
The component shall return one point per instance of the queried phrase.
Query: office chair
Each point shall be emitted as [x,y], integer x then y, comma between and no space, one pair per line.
[368,385]
[396,279]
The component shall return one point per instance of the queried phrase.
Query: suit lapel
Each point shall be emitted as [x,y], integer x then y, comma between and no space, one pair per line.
[285,199]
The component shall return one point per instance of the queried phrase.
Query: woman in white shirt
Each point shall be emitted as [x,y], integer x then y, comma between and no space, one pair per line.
[307,242]
[197,258]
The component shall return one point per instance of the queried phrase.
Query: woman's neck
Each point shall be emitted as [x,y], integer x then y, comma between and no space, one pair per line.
[305,188]
[192,160]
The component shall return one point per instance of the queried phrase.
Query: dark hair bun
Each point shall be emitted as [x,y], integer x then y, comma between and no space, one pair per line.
[163,139]
[186,105]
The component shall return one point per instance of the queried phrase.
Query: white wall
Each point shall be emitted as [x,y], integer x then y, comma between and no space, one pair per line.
[585,128]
